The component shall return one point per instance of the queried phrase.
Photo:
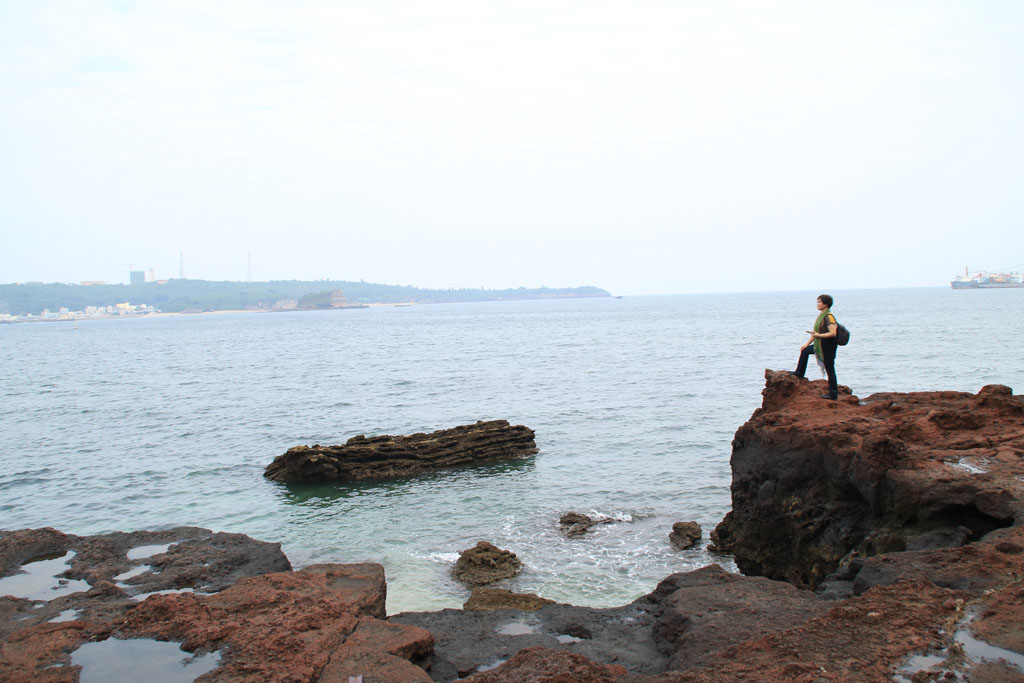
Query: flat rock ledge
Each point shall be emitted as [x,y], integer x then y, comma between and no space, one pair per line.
[389,457]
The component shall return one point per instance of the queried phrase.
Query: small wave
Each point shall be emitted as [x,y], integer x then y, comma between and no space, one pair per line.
[445,558]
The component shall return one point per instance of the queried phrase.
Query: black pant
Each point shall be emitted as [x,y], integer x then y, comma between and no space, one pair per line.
[828,352]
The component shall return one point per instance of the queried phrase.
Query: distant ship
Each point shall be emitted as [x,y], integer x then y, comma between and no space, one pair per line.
[984,280]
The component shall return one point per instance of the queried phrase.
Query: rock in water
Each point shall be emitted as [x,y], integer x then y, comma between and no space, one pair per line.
[484,564]
[576,524]
[388,457]
[685,535]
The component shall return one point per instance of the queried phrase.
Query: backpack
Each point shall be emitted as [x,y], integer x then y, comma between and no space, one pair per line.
[842,335]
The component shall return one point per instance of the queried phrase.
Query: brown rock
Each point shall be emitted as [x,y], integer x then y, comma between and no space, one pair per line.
[483,599]
[685,535]
[387,457]
[484,564]
[576,523]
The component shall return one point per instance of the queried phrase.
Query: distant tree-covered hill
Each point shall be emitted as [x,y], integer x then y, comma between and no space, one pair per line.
[204,295]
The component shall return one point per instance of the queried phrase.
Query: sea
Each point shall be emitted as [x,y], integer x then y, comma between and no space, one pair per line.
[156,422]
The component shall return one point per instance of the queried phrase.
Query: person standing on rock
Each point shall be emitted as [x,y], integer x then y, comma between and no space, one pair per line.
[823,345]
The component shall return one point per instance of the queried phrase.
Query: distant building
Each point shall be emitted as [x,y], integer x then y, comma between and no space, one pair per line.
[93,282]
[338,299]
[138,277]
[285,305]
[151,275]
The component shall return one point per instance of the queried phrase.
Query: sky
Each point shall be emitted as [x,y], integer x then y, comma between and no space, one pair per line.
[644,147]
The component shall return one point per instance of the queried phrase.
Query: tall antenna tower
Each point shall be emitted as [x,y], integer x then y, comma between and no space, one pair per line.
[181,265]
[250,267]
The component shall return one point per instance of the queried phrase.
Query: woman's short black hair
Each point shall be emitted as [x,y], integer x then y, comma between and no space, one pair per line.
[826,299]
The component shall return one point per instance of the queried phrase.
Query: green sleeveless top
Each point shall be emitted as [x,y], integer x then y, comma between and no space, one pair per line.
[825,318]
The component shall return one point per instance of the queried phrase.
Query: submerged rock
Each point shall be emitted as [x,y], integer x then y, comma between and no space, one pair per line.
[386,457]
[486,563]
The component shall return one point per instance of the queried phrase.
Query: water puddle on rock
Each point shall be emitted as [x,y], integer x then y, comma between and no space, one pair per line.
[977,651]
[143,551]
[980,651]
[39,579]
[169,591]
[66,615]
[493,665]
[141,569]
[515,628]
[973,467]
[129,661]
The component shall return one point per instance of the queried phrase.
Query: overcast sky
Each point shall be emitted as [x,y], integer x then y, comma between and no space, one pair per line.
[644,147]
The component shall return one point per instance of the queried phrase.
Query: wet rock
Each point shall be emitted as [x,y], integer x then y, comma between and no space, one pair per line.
[112,571]
[467,642]
[576,523]
[685,535]
[498,598]
[207,591]
[486,563]
[387,457]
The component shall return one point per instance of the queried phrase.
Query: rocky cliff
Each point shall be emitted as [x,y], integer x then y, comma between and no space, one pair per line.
[821,486]
[388,457]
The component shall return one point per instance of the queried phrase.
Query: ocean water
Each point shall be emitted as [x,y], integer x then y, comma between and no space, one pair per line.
[157,422]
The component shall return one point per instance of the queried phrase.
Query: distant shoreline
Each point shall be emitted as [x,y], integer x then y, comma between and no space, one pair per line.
[178,314]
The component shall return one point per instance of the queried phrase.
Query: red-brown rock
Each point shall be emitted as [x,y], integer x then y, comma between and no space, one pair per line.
[319,620]
[814,481]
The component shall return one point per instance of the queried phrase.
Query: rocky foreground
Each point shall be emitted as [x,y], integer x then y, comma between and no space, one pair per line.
[389,457]
[882,540]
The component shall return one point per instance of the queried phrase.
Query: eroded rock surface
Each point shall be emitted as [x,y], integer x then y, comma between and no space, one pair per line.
[387,457]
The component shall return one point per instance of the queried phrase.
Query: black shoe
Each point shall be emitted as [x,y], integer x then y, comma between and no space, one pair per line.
[829,397]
